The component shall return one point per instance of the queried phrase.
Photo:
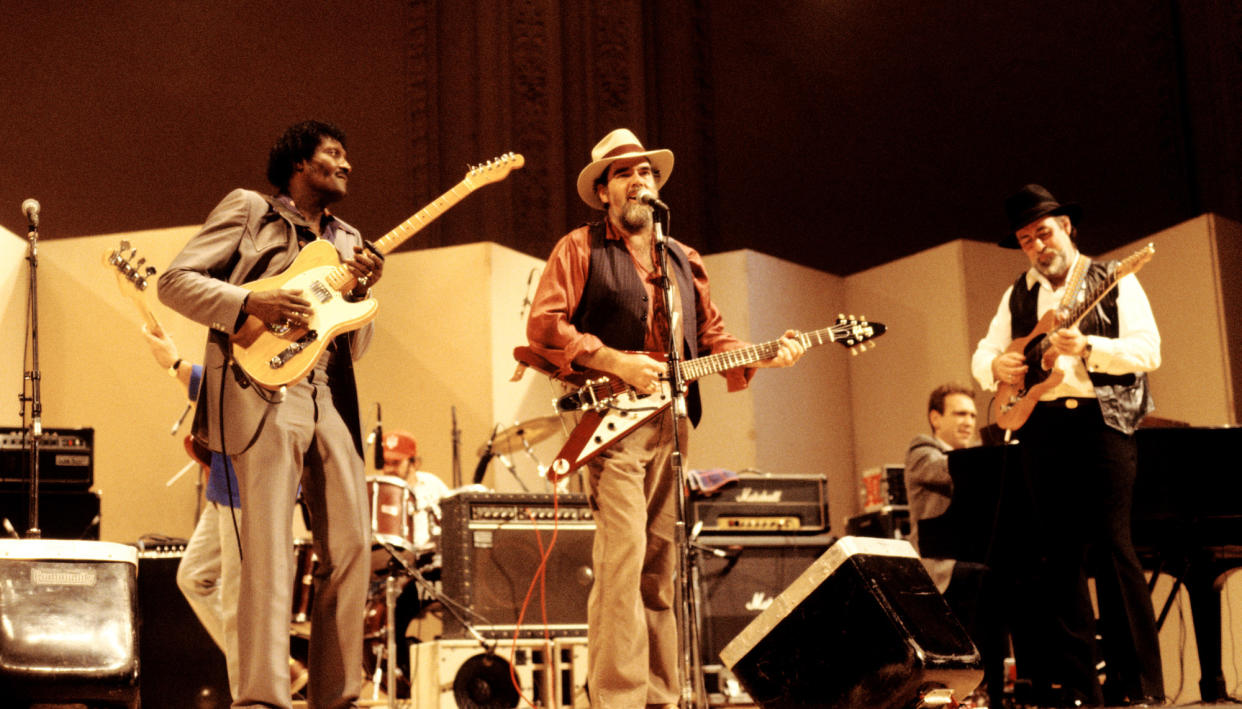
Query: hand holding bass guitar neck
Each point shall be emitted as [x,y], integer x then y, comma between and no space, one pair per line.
[295,314]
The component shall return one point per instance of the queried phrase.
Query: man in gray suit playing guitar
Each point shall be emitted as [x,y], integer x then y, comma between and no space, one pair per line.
[272,435]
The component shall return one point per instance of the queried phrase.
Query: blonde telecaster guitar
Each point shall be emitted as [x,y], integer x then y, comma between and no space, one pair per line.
[1014,404]
[275,356]
[611,409]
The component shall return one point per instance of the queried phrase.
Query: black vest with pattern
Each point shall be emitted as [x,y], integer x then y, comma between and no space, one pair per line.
[1124,398]
[613,306]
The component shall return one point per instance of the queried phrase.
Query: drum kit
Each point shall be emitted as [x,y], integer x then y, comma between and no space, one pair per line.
[405,554]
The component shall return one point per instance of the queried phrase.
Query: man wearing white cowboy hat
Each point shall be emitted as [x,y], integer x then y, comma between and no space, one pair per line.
[597,299]
[1078,466]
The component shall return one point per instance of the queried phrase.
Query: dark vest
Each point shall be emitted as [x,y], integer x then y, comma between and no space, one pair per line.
[1124,398]
[613,306]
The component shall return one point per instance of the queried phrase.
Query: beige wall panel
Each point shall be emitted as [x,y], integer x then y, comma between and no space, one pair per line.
[14,277]
[1184,283]
[921,299]
[790,420]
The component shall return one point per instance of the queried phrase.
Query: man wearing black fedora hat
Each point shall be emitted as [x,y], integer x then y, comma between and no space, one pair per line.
[1077,465]
[597,302]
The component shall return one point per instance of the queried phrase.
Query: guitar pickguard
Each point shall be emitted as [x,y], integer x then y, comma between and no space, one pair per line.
[608,421]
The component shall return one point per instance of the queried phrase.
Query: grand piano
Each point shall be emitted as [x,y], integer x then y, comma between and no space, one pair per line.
[1187,520]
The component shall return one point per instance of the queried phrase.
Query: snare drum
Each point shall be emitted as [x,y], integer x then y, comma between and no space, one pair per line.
[304,560]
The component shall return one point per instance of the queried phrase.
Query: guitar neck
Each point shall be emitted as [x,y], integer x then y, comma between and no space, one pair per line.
[1125,267]
[340,278]
[722,361]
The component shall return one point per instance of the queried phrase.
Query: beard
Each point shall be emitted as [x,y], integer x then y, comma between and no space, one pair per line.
[1056,267]
[635,217]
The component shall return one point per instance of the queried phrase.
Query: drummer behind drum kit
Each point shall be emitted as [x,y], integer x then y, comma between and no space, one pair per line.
[405,545]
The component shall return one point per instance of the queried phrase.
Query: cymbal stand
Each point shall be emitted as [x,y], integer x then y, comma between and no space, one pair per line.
[512,470]
[693,693]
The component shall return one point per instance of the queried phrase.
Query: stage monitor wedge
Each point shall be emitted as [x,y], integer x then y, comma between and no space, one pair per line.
[863,626]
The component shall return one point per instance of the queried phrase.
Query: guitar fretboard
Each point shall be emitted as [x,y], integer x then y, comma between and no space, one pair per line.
[723,361]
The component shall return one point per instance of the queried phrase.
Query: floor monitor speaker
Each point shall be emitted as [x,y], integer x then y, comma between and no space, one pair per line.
[863,626]
[68,622]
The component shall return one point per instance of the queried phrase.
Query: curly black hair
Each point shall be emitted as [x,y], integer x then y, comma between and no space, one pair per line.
[298,143]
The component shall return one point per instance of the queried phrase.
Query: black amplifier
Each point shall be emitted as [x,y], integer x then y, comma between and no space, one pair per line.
[491,546]
[764,503]
[66,458]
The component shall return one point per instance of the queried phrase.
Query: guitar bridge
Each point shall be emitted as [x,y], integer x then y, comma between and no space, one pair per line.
[288,353]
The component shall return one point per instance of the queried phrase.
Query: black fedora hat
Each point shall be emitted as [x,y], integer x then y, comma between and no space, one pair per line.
[1030,203]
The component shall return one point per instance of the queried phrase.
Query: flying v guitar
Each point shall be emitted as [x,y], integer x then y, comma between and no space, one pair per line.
[612,409]
[274,356]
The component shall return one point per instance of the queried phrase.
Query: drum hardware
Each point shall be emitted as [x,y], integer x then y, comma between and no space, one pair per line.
[398,566]
[519,438]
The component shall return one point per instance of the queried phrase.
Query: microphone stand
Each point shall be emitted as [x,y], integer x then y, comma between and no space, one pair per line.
[693,692]
[33,375]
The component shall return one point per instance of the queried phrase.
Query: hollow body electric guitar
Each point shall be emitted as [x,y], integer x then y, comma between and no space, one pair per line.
[1014,403]
[277,355]
[611,409]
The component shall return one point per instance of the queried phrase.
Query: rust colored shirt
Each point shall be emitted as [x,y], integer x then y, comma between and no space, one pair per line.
[554,337]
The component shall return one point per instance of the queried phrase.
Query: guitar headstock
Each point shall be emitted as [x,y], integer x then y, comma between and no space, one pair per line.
[135,273]
[855,333]
[133,277]
[1135,261]
[496,169]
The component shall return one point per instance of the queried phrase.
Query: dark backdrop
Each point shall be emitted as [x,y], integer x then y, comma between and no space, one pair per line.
[837,134]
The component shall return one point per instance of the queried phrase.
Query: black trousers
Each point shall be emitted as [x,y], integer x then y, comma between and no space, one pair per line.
[1078,479]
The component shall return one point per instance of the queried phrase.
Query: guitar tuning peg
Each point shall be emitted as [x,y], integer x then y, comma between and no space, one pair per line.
[140,262]
[132,254]
[150,271]
[124,244]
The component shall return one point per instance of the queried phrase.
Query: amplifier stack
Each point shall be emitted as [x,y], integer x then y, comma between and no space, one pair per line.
[770,528]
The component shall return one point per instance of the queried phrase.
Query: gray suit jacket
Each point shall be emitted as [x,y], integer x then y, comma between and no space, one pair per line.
[246,238]
[929,489]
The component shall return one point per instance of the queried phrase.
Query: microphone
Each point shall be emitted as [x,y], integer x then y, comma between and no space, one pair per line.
[31,209]
[379,439]
[648,198]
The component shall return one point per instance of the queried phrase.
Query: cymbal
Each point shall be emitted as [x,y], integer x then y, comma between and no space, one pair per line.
[531,431]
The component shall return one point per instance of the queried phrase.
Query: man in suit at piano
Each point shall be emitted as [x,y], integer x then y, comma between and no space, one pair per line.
[929,490]
[272,436]
[1078,464]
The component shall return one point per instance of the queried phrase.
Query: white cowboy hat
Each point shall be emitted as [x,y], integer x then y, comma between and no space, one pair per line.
[618,145]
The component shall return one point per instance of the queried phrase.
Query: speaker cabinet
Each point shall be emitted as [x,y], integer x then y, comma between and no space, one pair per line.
[460,673]
[492,545]
[181,665]
[63,514]
[863,626]
[68,622]
[737,587]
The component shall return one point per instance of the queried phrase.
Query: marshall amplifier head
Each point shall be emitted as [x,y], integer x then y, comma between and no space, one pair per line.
[764,503]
